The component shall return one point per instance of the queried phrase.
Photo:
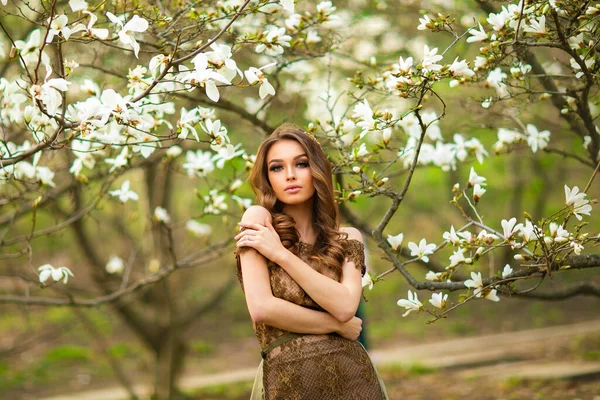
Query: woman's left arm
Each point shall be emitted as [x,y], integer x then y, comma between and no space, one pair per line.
[340,299]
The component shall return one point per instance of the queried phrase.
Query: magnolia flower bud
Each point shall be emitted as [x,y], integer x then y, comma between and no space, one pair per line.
[518,257]
[382,181]
[354,194]
[236,184]
[387,134]
[28,114]
[356,169]
[548,240]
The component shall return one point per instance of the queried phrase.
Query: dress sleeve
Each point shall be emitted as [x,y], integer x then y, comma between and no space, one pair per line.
[355,251]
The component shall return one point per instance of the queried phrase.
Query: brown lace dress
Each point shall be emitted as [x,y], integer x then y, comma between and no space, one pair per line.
[314,366]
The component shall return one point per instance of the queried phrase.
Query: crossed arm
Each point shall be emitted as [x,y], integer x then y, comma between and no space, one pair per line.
[340,299]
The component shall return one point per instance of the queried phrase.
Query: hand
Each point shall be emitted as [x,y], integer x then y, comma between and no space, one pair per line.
[351,329]
[261,238]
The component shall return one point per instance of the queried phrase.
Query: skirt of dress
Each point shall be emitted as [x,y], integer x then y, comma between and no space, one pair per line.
[318,367]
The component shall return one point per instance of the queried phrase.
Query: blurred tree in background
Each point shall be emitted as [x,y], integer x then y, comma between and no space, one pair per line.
[128,130]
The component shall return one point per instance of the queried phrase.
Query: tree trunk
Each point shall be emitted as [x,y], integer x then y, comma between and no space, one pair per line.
[169,364]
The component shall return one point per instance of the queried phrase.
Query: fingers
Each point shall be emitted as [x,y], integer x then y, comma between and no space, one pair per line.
[251,225]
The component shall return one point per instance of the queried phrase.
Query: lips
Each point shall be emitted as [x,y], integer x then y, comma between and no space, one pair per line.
[292,188]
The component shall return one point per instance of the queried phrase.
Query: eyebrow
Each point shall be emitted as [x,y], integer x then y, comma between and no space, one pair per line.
[298,156]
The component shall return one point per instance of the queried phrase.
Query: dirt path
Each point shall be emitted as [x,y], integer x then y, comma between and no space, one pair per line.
[504,355]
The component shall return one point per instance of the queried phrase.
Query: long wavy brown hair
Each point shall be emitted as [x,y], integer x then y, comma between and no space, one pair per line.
[329,251]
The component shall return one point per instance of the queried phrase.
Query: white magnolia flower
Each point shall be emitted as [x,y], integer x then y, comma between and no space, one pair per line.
[577,248]
[119,161]
[433,276]
[367,280]
[124,193]
[186,123]
[491,295]
[242,202]
[174,151]
[197,228]
[412,304]
[78,5]
[226,153]
[593,10]
[199,163]
[288,5]
[115,265]
[58,25]
[293,21]
[48,92]
[47,271]
[476,282]
[204,77]
[510,227]
[537,26]
[589,63]
[467,236]
[458,257]
[460,68]
[535,139]
[475,179]
[404,65]
[162,215]
[256,75]
[477,35]
[529,231]
[430,57]
[506,271]
[578,201]
[478,191]
[451,236]
[135,24]
[312,36]
[424,23]
[439,300]
[422,250]
[220,59]
[498,20]
[486,237]
[275,40]
[326,7]
[364,113]
[495,79]
[395,241]
[215,202]
[217,133]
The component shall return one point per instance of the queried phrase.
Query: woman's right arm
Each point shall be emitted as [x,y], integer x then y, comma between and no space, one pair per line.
[270,310]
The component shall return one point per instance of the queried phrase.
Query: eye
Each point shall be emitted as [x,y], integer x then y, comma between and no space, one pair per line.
[302,164]
[275,168]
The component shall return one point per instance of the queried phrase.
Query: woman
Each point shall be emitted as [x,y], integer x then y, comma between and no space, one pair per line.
[301,275]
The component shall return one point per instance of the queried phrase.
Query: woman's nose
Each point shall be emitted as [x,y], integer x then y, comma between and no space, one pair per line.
[291,175]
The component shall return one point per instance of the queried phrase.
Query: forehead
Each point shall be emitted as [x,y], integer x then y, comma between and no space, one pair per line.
[284,149]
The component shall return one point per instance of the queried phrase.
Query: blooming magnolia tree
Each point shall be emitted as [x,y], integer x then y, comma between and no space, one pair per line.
[108,107]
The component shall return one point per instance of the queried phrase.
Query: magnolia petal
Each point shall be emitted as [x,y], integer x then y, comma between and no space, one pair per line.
[211,91]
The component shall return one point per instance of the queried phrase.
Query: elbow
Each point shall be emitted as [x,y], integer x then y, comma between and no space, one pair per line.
[259,313]
[344,315]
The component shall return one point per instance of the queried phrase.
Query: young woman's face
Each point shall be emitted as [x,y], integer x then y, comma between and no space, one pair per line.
[289,172]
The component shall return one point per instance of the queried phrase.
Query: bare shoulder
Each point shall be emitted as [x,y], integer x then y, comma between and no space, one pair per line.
[257,214]
[352,232]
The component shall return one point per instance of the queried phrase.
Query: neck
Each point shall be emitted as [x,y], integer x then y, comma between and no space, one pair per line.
[303,216]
